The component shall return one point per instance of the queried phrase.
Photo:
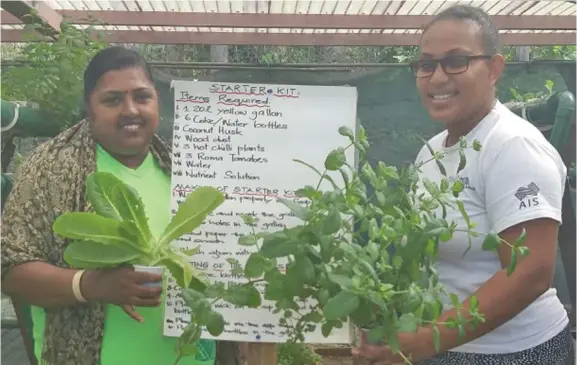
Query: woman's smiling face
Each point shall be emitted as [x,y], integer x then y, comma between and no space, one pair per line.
[455,97]
[124,111]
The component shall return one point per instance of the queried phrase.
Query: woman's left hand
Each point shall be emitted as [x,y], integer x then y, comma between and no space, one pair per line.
[412,345]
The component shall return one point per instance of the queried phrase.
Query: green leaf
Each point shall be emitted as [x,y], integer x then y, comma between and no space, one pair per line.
[549,85]
[90,226]
[305,268]
[455,300]
[130,207]
[523,251]
[247,240]
[473,303]
[345,176]
[522,237]
[215,323]
[256,265]
[279,244]
[191,296]
[181,269]
[408,322]
[512,262]
[433,154]
[344,281]
[331,222]
[492,242]
[436,338]
[477,145]
[462,161]
[94,255]
[347,132]
[248,220]
[99,188]
[328,326]
[192,213]
[298,210]
[458,188]
[342,304]
[187,343]
[336,159]
[463,212]
[387,172]
[245,296]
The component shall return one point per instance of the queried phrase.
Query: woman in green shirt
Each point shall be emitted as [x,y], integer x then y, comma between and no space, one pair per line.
[113,319]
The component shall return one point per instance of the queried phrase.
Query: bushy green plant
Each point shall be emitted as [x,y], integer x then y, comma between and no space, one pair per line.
[358,257]
[296,354]
[50,72]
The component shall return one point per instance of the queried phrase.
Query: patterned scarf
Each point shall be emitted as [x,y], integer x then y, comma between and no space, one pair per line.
[52,182]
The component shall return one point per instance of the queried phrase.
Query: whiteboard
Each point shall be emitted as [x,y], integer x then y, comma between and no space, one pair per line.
[242,139]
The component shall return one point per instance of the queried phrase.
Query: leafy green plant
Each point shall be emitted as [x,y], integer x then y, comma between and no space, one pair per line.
[117,232]
[50,71]
[528,97]
[296,354]
[359,257]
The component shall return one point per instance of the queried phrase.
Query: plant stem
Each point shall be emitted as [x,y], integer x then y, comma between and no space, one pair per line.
[178,359]
[407,361]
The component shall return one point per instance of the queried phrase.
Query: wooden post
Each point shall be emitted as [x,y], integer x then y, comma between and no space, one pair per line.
[260,353]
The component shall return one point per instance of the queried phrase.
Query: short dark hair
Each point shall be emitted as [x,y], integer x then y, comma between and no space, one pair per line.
[488,30]
[109,59]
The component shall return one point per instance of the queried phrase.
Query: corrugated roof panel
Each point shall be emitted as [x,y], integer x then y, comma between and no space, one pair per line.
[406,7]
[275,6]
[541,7]
[130,5]
[355,7]
[118,5]
[303,7]
[247,7]
[210,6]
[289,7]
[419,8]
[512,6]
[367,7]
[432,7]
[380,7]
[523,8]
[315,7]
[342,7]
[393,7]
[565,8]
[497,7]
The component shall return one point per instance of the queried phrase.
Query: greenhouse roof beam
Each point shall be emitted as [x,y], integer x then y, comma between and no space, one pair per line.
[29,12]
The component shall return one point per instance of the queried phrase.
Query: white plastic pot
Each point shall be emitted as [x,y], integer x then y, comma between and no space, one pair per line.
[152,269]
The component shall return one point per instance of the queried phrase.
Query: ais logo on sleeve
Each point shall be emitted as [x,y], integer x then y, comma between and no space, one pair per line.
[528,196]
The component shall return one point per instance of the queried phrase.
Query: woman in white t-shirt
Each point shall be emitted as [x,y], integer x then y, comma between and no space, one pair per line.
[515,182]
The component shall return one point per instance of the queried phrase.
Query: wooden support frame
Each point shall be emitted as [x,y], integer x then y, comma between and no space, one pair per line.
[33,11]
[303,21]
[296,39]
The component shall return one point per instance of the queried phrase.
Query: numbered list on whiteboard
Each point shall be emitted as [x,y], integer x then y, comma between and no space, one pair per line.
[242,139]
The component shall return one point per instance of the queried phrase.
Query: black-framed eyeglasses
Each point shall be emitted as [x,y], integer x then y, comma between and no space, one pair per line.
[451,65]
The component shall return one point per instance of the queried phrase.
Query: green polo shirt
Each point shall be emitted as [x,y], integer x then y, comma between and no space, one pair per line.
[127,342]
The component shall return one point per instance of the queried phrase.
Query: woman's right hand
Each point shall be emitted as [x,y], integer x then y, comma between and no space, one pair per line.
[122,286]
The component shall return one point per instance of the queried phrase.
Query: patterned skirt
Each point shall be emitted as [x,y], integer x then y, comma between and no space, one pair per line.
[560,350]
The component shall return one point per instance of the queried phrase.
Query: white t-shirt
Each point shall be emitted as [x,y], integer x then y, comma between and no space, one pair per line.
[517,176]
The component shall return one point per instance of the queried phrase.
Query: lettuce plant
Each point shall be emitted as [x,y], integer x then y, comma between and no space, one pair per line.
[117,232]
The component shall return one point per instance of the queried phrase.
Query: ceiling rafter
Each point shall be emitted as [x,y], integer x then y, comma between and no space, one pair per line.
[302,24]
